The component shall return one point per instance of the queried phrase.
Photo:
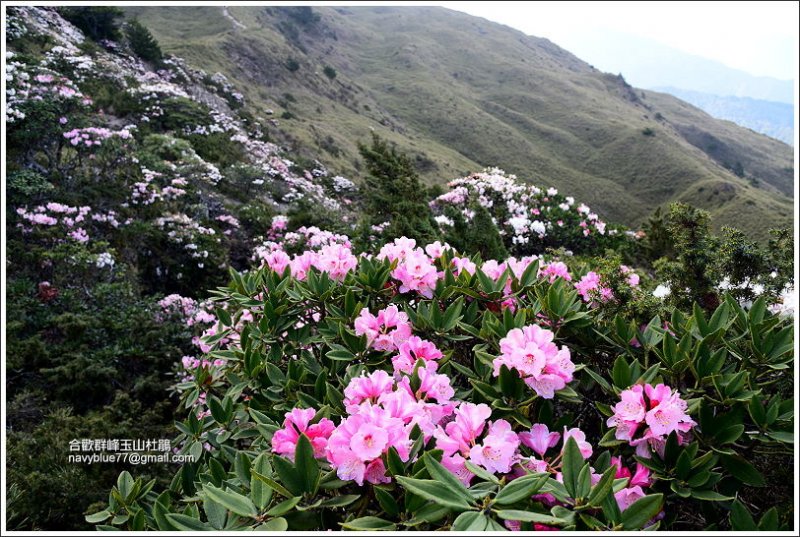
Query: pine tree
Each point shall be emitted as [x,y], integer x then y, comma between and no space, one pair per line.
[143,43]
[484,237]
[393,193]
[480,235]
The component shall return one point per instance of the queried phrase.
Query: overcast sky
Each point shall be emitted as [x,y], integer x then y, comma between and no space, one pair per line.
[760,38]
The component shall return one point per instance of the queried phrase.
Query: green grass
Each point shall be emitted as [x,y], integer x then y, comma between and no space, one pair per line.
[464,93]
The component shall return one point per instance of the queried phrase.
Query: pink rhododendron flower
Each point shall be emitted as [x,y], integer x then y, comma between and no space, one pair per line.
[627,496]
[459,442]
[580,438]
[398,249]
[653,411]
[542,365]
[588,283]
[301,264]
[539,439]
[555,270]
[337,260]
[79,235]
[277,261]
[284,441]
[417,273]
[414,349]
[496,452]
[436,249]
[369,442]
[386,331]
[432,386]
[367,388]
[493,269]
[463,264]
[356,445]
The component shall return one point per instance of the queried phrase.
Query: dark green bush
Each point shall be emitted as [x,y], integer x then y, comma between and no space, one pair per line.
[330,72]
[142,42]
[98,22]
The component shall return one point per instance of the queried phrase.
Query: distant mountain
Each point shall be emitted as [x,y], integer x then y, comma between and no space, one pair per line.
[649,64]
[767,117]
[459,93]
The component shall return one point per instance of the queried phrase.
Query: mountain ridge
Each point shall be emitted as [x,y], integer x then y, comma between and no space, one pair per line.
[460,93]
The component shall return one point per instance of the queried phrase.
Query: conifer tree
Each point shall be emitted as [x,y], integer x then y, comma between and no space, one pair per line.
[142,42]
[393,193]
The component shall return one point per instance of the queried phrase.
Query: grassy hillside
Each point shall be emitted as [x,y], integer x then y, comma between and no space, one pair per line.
[460,93]
[775,119]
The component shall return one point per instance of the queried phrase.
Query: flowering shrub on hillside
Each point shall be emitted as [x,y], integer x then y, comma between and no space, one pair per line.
[530,219]
[420,389]
[410,386]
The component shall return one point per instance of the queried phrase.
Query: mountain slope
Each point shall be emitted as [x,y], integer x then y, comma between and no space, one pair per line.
[767,117]
[460,93]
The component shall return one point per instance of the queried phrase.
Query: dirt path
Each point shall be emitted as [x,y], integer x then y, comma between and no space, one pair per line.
[231,18]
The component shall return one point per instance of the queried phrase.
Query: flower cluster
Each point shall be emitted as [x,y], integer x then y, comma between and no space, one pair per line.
[382,412]
[591,288]
[540,363]
[386,331]
[526,215]
[335,259]
[459,442]
[71,220]
[94,136]
[297,422]
[647,414]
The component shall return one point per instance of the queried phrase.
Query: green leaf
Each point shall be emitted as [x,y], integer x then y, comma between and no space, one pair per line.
[740,518]
[530,516]
[743,470]
[369,523]
[395,464]
[438,493]
[306,464]
[271,483]
[427,513]
[387,502]
[96,518]
[584,481]
[641,511]
[621,373]
[260,491]
[684,465]
[520,489]
[187,523]
[233,501]
[216,514]
[341,354]
[284,507]
[782,436]
[474,521]
[443,475]
[481,472]
[571,467]
[769,522]
[125,484]
[603,487]
[289,475]
[710,496]
[729,434]
[160,510]
[274,524]
[598,379]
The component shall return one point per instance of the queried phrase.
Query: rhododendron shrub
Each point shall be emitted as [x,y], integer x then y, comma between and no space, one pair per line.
[492,396]
[529,218]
